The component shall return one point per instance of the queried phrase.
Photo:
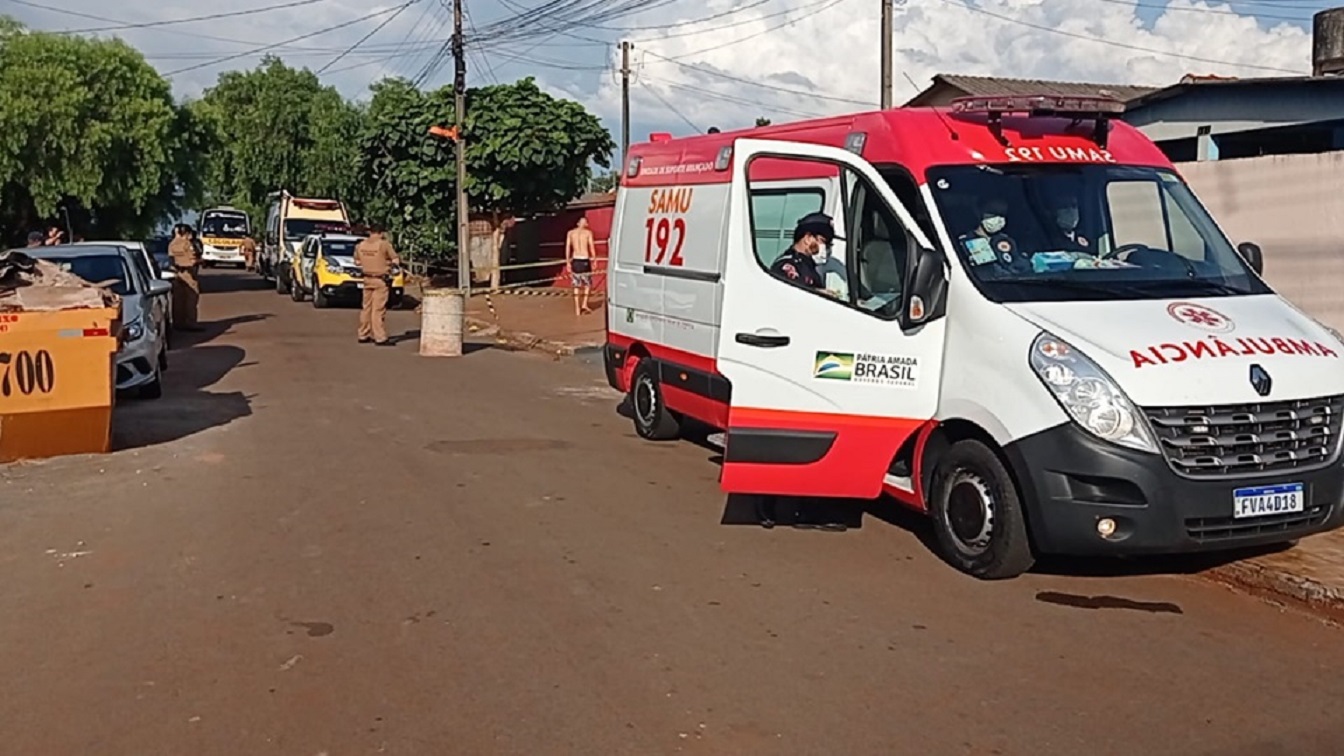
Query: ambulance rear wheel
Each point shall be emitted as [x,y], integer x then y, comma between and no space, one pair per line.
[977,514]
[652,418]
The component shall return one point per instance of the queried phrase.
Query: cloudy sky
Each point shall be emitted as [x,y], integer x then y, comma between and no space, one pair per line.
[708,63]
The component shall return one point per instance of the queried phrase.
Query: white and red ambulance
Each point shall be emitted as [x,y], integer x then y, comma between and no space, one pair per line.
[1030,329]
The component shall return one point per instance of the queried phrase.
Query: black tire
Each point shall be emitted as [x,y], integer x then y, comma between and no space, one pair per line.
[163,357]
[653,420]
[977,514]
[281,285]
[297,293]
[151,390]
[320,301]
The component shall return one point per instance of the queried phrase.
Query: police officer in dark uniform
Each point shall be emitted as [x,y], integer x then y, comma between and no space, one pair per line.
[798,264]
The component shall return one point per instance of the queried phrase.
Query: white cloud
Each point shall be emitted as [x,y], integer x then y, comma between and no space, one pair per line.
[829,47]
[835,52]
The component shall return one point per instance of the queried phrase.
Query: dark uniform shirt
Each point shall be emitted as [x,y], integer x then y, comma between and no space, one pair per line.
[999,249]
[796,267]
[1075,243]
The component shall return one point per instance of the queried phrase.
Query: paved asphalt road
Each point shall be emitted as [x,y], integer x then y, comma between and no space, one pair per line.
[310,546]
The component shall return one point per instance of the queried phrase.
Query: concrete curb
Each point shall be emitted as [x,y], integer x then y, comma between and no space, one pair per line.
[525,340]
[1280,584]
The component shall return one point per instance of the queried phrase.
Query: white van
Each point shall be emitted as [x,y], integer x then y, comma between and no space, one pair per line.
[1035,333]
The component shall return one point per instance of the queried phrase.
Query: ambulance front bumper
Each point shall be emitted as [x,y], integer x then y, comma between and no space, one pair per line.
[1071,481]
[222,255]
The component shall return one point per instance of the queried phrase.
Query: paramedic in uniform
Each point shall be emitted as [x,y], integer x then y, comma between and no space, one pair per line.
[1064,229]
[375,257]
[988,242]
[186,285]
[798,264]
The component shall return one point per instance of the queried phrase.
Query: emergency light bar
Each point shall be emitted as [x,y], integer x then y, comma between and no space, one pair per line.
[1099,110]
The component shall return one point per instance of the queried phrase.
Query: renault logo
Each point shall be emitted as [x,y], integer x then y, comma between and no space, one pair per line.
[1260,380]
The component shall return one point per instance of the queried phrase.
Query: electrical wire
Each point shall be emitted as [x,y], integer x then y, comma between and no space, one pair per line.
[796,92]
[702,92]
[480,54]
[826,6]
[175,21]
[1113,43]
[1214,11]
[672,108]
[365,38]
[274,45]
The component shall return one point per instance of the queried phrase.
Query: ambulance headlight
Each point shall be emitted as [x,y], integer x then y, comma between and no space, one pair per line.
[1088,394]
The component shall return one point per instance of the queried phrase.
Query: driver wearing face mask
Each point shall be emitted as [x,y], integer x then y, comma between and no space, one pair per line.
[1064,235]
[989,243]
[799,263]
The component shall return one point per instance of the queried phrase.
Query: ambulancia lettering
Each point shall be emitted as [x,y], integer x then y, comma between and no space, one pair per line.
[1181,351]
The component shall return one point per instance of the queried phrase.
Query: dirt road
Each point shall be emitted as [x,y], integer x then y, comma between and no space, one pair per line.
[310,546]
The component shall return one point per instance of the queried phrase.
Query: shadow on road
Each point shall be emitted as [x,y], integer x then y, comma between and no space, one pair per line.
[213,329]
[226,281]
[187,407]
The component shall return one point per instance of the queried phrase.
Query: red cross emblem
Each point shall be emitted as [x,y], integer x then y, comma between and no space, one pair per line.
[1200,317]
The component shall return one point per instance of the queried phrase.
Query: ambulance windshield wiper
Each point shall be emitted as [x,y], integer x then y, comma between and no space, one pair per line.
[1203,284]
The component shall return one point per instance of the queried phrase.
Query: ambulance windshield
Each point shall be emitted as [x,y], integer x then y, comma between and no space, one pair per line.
[1054,233]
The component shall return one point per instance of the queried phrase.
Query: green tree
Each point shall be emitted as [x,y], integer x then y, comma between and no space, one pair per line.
[607,181]
[277,127]
[409,181]
[90,128]
[528,152]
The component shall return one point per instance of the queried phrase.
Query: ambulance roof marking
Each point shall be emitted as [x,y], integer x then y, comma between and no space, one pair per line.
[916,138]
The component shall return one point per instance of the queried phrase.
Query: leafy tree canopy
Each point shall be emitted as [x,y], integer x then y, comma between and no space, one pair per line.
[87,126]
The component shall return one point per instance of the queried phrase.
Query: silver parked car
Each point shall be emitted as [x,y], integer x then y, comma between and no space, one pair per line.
[143,355]
[153,268]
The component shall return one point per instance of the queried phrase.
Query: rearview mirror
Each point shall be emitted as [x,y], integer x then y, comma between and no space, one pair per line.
[1250,251]
[159,288]
[928,288]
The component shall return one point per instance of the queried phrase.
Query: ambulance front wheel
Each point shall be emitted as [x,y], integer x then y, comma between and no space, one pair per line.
[977,514]
[653,420]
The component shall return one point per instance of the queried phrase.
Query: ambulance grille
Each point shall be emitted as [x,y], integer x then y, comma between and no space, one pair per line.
[1233,440]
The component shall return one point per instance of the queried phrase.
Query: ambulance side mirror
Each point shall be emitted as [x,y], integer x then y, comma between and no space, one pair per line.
[928,287]
[1250,251]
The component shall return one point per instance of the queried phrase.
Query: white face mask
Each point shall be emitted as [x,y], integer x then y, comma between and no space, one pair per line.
[992,224]
[1067,218]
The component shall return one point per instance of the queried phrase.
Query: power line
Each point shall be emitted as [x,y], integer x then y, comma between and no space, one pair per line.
[272,46]
[1113,43]
[800,93]
[1215,11]
[826,6]
[175,21]
[365,38]
[768,108]
[672,108]
[471,25]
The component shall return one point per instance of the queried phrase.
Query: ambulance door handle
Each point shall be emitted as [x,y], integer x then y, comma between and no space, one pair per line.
[758,340]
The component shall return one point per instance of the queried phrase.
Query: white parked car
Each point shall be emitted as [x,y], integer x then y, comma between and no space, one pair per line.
[143,355]
[153,268]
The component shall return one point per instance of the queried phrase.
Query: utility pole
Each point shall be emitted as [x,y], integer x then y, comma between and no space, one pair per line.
[463,210]
[886,53]
[625,99]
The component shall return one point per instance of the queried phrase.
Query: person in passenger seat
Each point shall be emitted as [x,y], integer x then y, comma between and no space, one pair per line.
[989,242]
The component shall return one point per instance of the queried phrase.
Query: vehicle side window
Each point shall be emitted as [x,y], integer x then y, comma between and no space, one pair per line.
[881,249]
[774,213]
[865,271]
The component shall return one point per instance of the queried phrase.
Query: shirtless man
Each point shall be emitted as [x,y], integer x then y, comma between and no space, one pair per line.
[579,254]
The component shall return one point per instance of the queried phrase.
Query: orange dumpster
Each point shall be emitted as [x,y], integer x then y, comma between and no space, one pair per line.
[57,382]
[58,346]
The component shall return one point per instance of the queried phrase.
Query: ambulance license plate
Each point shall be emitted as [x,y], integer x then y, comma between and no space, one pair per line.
[1261,501]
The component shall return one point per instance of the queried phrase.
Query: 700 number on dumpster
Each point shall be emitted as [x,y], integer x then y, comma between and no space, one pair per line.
[27,373]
